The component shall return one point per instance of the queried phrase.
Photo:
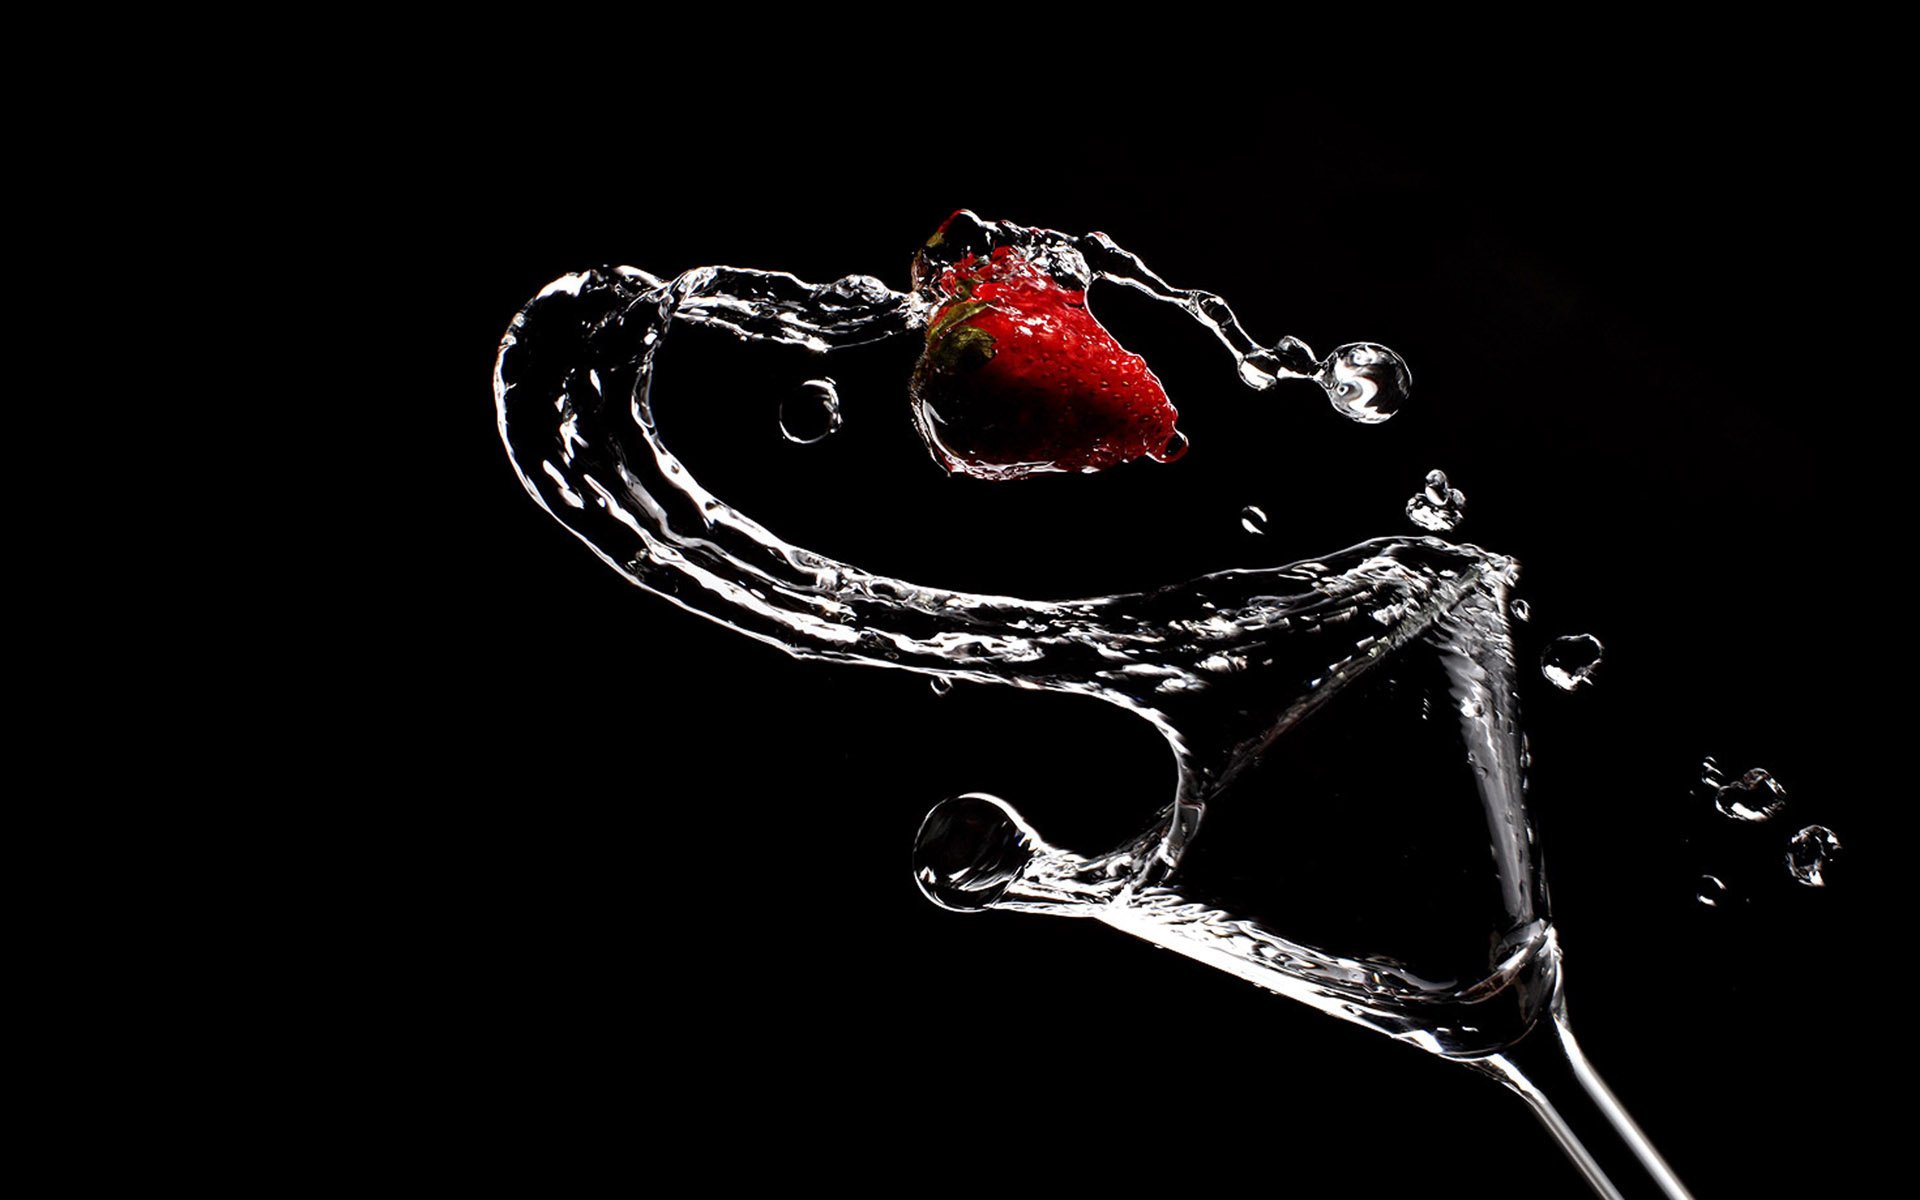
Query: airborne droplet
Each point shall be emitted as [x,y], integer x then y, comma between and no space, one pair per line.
[1568,662]
[1439,507]
[1365,381]
[1809,853]
[1253,519]
[811,413]
[1712,892]
[1755,796]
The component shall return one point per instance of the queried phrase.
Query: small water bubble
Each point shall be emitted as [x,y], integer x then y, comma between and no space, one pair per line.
[1809,853]
[1439,507]
[811,413]
[940,684]
[1365,381]
[1755,796]
[1568,662]
[1253,519]
[1712,892]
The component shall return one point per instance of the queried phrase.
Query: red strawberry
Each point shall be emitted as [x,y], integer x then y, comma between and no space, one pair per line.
[1018,378]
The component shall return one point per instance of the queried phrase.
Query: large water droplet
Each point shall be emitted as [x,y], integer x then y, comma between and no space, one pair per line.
[1568,662]
[811,413]
[1809,853]
[940,684]
[1438,507]
[1253,519]
[969,849]
[1522,611]
[1365,381]
[1712,892]
[1755,796]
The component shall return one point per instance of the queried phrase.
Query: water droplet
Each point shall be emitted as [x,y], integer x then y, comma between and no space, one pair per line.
[1365,381]
[811,413]
[1438,507]
[1522,611]
[969,849]
[1712,892]
[1755,796]
[1810,852]
[1253,519]
[1568,662]
[940,684]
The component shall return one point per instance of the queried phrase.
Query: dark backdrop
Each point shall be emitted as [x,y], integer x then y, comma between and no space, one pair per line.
[645,892]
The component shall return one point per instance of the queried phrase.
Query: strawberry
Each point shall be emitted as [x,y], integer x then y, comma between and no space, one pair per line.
[1018,378]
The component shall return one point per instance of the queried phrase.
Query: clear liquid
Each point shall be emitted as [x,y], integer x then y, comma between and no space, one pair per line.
[1251,677]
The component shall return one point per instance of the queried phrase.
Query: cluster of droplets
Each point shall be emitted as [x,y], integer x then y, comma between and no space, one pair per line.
[1438,507]
[1754,799]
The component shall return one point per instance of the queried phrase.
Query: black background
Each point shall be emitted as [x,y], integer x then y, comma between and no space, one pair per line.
[647,890]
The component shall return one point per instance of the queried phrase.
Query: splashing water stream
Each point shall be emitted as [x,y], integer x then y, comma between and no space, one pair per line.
[1231,669]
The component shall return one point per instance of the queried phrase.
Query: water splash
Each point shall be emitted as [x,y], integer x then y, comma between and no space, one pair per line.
[1809,854]
[1253,519]
[1221,667]
[1569,662]
[1438,507]
[811,413]
[1755,796]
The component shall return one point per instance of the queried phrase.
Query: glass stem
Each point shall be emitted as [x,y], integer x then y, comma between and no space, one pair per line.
[1550,1073]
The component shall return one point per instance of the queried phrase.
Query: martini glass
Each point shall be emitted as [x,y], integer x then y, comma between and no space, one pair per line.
[1474,972]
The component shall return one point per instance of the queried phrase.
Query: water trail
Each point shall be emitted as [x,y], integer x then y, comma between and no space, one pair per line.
[1220,666]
